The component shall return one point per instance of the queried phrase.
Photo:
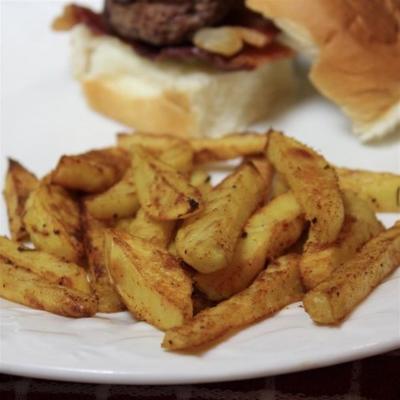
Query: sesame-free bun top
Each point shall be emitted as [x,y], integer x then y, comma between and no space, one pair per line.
[356,50]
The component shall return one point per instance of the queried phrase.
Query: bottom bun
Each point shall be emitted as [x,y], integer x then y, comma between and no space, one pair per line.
[171,97]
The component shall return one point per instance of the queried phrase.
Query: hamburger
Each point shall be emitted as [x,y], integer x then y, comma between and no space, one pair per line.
[200,68]
[355,48]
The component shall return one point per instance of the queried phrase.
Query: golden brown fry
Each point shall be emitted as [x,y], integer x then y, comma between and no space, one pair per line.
[143,226]
[23,286]
[228,147]
[174,151]
[279,185]
[119,201]
[381,190]
[19,184]
[149,280]
[52,220]
[336,297]
[314,184]
[201,180]
[207,241]
[91,172]
[44,265]
[267,233]
[94,240]
[164,193]
[276,287]
[360,225]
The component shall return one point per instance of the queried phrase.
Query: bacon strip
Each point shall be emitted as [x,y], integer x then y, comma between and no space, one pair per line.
[247,59]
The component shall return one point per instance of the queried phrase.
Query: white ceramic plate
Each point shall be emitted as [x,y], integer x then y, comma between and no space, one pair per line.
[45,116]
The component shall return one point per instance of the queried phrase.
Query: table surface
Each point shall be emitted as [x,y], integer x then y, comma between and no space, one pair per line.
[375,378]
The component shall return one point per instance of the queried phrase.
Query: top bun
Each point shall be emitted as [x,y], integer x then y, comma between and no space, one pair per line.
[356,45]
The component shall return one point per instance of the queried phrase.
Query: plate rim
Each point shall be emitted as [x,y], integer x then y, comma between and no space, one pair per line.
[123,378]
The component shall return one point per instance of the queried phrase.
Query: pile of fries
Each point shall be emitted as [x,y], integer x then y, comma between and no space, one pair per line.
[139,227]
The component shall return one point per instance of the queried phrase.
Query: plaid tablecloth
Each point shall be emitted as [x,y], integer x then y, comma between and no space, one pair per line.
[375,378]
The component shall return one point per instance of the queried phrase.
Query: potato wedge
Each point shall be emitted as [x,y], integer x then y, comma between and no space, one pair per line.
[276,287]
[147,228]
[94,240]
[164,193]
[207,241]
[336,297]
[228,147]
[201,180]
[279,185]
[268,232]
[174,151]
[360,225]
[44,265]
[380,189]
[24,287]
[91,172]
[314,184]
[119,201]
[149,280]
[52,220]
[19,184]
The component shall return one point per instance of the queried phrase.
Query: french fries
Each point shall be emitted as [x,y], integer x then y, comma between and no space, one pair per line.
[44,265]
[150,281]
[19,184]
[40,280]
[360,225]
[52,220]
[91,172]
[164,193]
[119,201]
[267,233]
[207,241]
[201,180]
[276,287]
[147,228]
[381,190]
[194,260]
[228,147]
[334,299]
[94,241]
[174,151]
[314,184]
[24,287]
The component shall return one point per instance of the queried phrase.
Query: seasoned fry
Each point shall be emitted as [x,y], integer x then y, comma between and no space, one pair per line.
[174,151]
[119,201]
[147,228]
[44,265]
[164,193]
[201,180]
[381,190]
[19,184]
[336,297]
[91,172]
[276,287]
[228,147]
[360,225]
[24,287]
[267,233]
[207,241]
[108,298]
[279,185]
[149,280]
[314,184]
[53,222]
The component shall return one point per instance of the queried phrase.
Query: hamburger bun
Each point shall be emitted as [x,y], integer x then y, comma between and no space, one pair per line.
[173,97]
[355,45]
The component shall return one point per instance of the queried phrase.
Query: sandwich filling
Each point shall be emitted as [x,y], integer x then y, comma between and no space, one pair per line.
[222,34]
